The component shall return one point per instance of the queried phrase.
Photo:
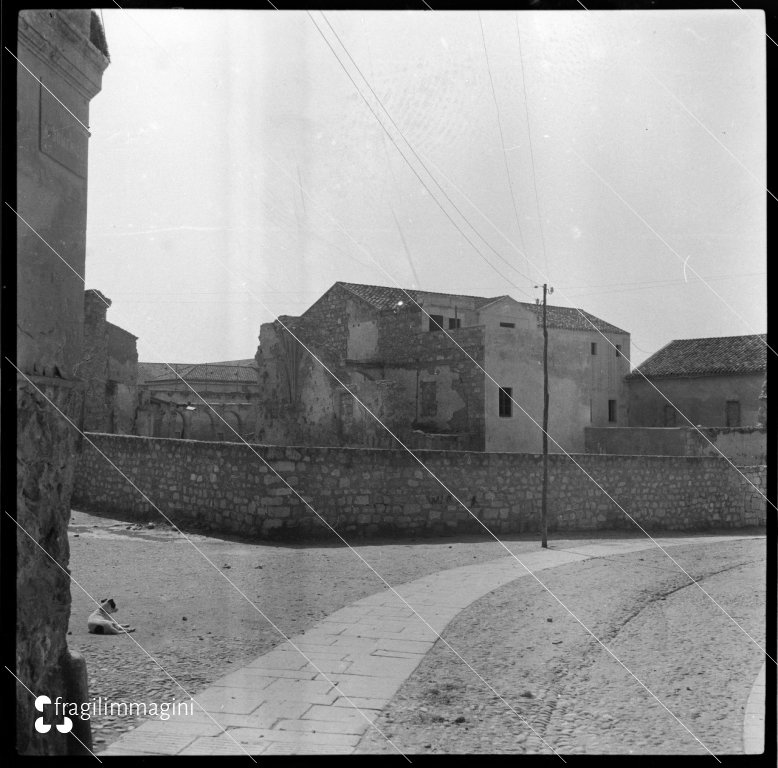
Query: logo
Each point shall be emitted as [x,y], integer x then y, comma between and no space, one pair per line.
[41,727]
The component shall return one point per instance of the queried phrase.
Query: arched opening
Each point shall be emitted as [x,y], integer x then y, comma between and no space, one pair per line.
[202,423]
[172,424]
[234,422]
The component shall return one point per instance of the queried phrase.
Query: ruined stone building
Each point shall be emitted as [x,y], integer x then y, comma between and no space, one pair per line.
[430,391]
[65,51]
[170,407]
[715,382]
[109,368]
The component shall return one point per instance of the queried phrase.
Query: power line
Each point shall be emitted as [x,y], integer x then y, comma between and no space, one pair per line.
[502,138]
[410,165]
[531,153]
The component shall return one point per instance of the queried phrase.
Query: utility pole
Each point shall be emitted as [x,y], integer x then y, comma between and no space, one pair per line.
[544,502]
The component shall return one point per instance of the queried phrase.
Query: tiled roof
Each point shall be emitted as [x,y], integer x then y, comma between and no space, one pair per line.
[382,297]
[698,357]
[572,319]
[240,370]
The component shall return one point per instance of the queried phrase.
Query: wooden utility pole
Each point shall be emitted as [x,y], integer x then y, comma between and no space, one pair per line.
[544,502]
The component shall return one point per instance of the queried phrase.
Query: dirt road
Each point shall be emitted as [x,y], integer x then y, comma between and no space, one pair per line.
[197,626]
[573,694]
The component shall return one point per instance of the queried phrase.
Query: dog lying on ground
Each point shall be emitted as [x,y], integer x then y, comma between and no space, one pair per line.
[100,622]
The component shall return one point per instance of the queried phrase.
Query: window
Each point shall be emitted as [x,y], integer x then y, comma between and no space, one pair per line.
[436,322]
[618,350]
[670,416]
[454,323]
[612,410]
[507,325]
[591,411]
[733,413]
[594,347]
[505,402]
[429,399]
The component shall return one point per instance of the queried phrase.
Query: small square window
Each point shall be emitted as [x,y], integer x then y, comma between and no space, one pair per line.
[454,323]
[505,402]
[594,347]
[612,411]
[436,322]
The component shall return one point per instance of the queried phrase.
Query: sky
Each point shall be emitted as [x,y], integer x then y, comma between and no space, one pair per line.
[236,173]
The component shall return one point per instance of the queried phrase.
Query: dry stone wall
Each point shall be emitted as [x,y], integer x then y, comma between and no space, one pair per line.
[228,488]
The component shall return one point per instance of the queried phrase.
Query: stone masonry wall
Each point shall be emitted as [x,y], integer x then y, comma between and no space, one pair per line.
[45,450]
[59,72]
[226,488]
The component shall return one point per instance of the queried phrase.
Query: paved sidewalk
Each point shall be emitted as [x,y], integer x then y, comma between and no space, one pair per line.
[357,659]
[754,724]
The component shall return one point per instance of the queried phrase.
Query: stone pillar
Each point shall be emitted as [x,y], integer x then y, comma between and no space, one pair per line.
[66,52]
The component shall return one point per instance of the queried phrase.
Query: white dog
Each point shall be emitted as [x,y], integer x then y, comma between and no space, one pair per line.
[100,623]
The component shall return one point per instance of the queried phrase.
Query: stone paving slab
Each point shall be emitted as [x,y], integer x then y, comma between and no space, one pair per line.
[359,656]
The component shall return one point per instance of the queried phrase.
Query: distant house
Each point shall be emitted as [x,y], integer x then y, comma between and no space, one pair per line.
[109,368]
[194,400]
[429,389]
[715,382]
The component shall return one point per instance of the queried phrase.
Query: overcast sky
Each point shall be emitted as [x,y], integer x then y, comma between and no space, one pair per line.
[235,173]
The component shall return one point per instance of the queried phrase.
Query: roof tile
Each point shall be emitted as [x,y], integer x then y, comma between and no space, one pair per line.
[383,297]
[709,356]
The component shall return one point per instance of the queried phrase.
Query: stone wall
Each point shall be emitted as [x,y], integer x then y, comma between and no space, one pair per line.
[109,368]
[701,399]
[45,448]
[382,357]
[227,488]
[742,445]
[55,49]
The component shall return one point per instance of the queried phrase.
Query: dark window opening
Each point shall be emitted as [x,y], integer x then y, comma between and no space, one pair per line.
[612,410]
[618,350]
[429,399]
[507,325]
[454,323]
[594,347]
[733,413]
[436,322]
[505,402]
[591,411]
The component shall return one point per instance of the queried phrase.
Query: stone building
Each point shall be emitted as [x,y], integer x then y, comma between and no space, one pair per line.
[714,382]
[65,51]
[109,368]
[428,390]
[170,407]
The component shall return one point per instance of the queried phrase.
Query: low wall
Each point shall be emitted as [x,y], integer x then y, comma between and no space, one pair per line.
[635,441]
[225,487]
[742,445]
